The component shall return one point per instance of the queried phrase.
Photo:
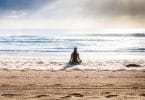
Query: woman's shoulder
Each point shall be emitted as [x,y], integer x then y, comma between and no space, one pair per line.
[74,53]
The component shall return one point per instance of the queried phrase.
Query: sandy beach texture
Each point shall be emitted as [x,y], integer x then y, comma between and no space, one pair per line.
[59,62]
[51,78]
[71,85]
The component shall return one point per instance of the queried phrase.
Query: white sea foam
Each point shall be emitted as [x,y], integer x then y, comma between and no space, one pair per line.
[59,61]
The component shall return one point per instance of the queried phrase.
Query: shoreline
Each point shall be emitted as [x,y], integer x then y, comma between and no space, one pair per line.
[61,62]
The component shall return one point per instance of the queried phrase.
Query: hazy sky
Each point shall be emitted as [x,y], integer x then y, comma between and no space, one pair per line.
[72,14]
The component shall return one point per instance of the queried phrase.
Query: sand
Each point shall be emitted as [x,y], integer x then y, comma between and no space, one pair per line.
[60,62]
[71,85]
[51,78]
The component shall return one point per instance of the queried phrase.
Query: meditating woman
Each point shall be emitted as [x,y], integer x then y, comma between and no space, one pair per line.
[75,59]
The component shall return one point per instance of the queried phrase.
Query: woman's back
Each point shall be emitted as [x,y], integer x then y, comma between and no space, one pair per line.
[75,57]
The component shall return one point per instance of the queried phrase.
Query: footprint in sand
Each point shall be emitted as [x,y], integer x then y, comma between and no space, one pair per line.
[41,95]
[47,76]
[30,84]
[40,62]
[73,94]
[10,95]
[77,76]
[142,95]
[76,95]
[4,85]
[105,93]
[135,87]
[5,69]
[110,96]
[133,65]
[57,84]
[109,85]
[68,96]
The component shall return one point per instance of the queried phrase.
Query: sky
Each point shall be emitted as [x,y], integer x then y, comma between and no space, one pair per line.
[72,14]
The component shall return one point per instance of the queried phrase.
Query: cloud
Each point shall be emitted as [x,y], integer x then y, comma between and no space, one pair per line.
[74,13]
[74,8]
[16,14]
[93,8]
[116,8]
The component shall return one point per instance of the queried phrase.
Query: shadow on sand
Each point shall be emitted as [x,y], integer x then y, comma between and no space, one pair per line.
[68,65]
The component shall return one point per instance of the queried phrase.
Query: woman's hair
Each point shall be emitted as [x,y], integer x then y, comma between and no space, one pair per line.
[75,50]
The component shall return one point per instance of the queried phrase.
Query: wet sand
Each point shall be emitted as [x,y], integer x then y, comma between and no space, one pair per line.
[71,85]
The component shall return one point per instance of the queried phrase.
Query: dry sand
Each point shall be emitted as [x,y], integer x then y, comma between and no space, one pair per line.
[71,85]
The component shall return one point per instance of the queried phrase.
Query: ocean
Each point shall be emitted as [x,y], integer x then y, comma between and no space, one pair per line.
[65,42]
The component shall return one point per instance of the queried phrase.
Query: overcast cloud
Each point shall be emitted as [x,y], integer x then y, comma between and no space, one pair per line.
[73,12]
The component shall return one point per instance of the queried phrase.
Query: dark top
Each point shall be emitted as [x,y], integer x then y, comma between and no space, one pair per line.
[75,58]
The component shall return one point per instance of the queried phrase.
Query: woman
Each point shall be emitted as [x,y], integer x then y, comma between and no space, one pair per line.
[75,59]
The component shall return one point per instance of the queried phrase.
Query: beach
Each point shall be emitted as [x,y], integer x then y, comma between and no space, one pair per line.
[35,67]
[72,49]
[71,85]
[52,78]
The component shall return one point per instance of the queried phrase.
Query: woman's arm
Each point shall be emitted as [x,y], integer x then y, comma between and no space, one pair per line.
[70,58]
[79,57]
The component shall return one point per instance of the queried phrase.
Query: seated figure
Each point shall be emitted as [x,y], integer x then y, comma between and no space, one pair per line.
[75,59]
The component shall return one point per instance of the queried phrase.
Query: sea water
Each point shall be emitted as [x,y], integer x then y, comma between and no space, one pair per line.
[46,42]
